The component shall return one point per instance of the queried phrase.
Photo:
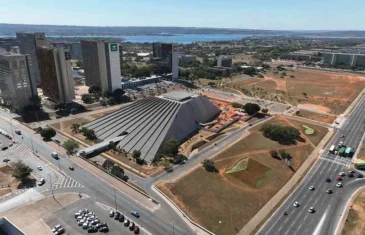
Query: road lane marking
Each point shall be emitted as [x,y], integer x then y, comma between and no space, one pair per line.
[320,224]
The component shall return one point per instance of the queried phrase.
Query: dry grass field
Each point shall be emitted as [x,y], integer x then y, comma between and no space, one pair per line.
[317,116]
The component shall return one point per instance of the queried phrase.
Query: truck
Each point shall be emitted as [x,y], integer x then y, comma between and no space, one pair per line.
[348,152]
[342,151]
[360,166]
[332,149]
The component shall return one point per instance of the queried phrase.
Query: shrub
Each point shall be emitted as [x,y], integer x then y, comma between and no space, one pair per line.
[282,134]
[209,166]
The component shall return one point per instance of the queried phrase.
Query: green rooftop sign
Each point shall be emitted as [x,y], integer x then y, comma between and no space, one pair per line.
[113,47]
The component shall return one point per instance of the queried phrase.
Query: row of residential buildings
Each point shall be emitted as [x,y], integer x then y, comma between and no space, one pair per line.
[344,59]
[33,61]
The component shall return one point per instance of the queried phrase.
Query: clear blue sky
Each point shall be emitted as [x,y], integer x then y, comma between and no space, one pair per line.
[251,14]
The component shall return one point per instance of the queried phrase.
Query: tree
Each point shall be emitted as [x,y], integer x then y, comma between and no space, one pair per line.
[237,105]
[70,146]
[87,98]
[304,94]
[94,89]
[38,130]
[117,171]
[75,127]
[251,108]
[171,147]
[284,154]
[260,75]
[118,95]
[265,110]
[48,133]
[108,164]
[211,84]
[136,154]
[90,134]
[274,153]
[282,134]
[21,171]
[249,71]
[209,165]
[80,63]
[179,159]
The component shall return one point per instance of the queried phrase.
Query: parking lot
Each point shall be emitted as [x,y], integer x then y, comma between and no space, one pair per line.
[66,218]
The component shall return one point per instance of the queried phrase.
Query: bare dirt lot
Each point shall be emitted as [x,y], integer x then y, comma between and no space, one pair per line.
[334,91]
[222,201]
[354,224]
[316,116]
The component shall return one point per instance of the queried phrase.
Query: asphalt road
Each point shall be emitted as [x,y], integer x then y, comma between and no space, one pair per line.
[328,207]
[162,221]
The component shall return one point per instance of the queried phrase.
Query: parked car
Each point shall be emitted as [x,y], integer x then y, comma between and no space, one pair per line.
[136,230]
[126,222]
[338,178]
[121,218]
[111,214]
[116,215]
[359,176]
[131,226]
[351,172]
[350,175]
[92,229]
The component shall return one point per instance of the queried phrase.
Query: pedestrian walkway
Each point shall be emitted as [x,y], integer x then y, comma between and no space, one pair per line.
[344,161]
[15,150]
[66,182]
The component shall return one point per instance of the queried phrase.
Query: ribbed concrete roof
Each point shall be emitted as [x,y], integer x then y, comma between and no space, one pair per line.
[149,122]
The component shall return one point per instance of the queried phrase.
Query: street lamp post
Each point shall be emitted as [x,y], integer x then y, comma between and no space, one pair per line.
[50,180]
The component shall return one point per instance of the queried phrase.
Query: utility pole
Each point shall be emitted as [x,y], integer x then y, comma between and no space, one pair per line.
[50,180]
[115,199]
[173,228]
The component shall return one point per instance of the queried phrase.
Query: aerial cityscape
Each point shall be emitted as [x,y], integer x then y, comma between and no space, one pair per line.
[161,118]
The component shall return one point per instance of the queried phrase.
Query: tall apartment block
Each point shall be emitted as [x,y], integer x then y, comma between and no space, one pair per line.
[101,64]
[28,42]
[16,87]
[345,59]
[224,61]
[56,74]
[166,58]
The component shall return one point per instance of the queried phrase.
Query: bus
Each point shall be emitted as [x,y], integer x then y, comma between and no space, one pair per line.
[348,152]
[332,149]
[342,151]
[360,166]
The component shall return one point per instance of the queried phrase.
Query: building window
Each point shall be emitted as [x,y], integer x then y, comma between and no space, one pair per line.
[14,64]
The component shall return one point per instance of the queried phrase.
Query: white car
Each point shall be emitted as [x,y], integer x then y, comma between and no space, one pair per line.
[339,185]
[41,182]
[342,174]
[296,204]
[39,168]
[311,210]
[17,131]
[311,188]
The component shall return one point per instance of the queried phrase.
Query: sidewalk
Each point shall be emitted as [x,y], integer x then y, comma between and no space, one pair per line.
[283,192]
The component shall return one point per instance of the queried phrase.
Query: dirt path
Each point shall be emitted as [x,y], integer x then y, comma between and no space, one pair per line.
[280,84]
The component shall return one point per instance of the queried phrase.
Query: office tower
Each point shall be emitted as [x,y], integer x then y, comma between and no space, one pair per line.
[16,86]
[8,43]
[224,61]
[56,74]
[76,51]
[28,42]
[166,59]
[101,64]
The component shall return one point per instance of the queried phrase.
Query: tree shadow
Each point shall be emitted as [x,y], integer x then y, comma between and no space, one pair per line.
[27,183]
[300,139]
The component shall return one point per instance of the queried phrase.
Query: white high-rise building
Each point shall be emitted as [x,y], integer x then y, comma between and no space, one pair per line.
[166,59]
[102,64]
[15,81]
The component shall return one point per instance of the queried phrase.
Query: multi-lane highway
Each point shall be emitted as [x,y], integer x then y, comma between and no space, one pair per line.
[328,207]
[164,220]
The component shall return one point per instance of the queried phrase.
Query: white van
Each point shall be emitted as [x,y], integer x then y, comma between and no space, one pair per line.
[54,155]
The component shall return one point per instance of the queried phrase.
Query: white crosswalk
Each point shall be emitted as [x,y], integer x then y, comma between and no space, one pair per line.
[15,150]
[343,161]
[66,182]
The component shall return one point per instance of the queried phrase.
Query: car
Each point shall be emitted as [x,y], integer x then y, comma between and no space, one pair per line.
[350,175]
[311,210]
[6,160]
[126,222]
[104,229]
[17,131]
[340,144]
[54,155]
[80,223]
[329,191]
[111,214]
[136,230]
[4,148]
[135,214]
[85,225]
[57,141]
[342,136]
[104,224]
[342,173]
[296,204]
[338,178]
[336,152]
[359,176]
[56,228]
[116,215]
[71,168]
[39,168]
[339,185]
[121,218]
[41,182]
[131,226]
[91,229]
[328,180]
[170,169]
[60,231]
[80,217]
[311,188]
[77,214]
[351,172]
